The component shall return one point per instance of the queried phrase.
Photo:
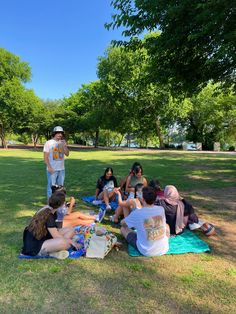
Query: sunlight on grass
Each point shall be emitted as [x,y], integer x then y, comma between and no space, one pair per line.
[24,213]
[191,283]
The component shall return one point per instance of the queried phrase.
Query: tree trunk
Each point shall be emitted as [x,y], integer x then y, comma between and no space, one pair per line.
[121,139]
[34,138]
[2,136]
[96,138]
[159,133]
[108,138]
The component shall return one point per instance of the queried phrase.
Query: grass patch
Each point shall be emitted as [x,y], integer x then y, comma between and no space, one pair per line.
[191,283]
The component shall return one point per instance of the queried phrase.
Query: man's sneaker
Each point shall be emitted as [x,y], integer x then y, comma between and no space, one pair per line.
[208,229]
[101,215]
[108,207]
[60,254]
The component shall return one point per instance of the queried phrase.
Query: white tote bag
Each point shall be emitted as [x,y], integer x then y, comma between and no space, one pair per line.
[100,246]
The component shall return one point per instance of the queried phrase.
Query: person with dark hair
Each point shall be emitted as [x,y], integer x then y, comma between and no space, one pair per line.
[54,151]
[134,178]
[105,187]
[124,180]
[151,236]
[157,187]
[125,207]
[67,218]
[41,237]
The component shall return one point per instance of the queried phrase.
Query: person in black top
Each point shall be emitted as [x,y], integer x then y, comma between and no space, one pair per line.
[179,213]
[41,236]
[105,187]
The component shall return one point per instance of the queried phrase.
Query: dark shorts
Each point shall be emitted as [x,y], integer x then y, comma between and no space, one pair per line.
[132,239]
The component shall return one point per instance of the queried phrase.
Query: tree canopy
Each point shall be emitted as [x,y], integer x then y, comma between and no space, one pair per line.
[196,43]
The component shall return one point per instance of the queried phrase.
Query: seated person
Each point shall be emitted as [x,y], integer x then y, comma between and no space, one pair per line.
[105,187]
[179,213]
[151,238]
[41,237]
[67,218]
[157,187]
[134,178]
[124,180]
[125,207]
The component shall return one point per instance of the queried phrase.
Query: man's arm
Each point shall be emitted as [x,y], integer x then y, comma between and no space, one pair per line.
[65,148]
[46,160]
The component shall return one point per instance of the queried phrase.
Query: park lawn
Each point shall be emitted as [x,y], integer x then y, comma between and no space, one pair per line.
[191,283]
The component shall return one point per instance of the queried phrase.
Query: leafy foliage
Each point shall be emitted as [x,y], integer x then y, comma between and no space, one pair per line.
[196,43]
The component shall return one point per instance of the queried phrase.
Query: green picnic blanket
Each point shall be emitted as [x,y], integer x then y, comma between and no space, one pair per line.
[187,242]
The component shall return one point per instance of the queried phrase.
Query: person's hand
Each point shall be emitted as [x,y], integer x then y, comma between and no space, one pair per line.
[51,170]
[63,142]
[75,244]
[72,201]
[117,190]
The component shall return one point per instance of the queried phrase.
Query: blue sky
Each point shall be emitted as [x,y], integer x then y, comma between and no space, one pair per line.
[60,39]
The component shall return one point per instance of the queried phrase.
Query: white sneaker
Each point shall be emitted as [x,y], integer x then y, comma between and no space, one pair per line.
[108,207]
[97,202]
[60,254]
[195,225]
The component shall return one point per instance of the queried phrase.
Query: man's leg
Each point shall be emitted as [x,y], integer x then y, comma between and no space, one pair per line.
[60,177]
[52,178]
[130,236]
[49,184]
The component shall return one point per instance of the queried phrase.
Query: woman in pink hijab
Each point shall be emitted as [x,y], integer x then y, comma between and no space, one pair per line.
[179,213]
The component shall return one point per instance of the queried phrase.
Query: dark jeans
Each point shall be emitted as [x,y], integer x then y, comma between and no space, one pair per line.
[132,239]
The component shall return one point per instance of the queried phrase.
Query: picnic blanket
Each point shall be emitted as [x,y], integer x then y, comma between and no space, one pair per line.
[72,254]
[90,199]
[187,242]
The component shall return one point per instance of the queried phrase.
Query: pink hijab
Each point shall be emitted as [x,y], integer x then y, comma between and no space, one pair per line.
[172,197]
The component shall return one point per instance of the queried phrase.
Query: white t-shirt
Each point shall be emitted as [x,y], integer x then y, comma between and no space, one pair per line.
[56,154]
[150,223]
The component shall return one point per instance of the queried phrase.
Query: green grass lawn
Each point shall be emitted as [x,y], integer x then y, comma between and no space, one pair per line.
[191,283]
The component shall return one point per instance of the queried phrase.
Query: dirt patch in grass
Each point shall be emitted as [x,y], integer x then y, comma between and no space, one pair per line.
[218,206]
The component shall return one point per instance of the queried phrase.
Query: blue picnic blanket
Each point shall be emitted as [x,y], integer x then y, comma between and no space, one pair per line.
[90,199]
[187,242]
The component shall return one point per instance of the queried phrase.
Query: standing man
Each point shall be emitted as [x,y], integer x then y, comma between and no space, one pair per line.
[54,151]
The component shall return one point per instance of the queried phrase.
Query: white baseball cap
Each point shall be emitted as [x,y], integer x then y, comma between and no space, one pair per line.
[58,129]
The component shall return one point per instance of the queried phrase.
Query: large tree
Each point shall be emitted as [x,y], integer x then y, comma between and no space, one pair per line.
[14,105]
[137,105]
[90,104]
[197,41]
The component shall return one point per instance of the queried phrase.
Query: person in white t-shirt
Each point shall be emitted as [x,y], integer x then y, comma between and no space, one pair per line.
[54,151]
[152,232]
